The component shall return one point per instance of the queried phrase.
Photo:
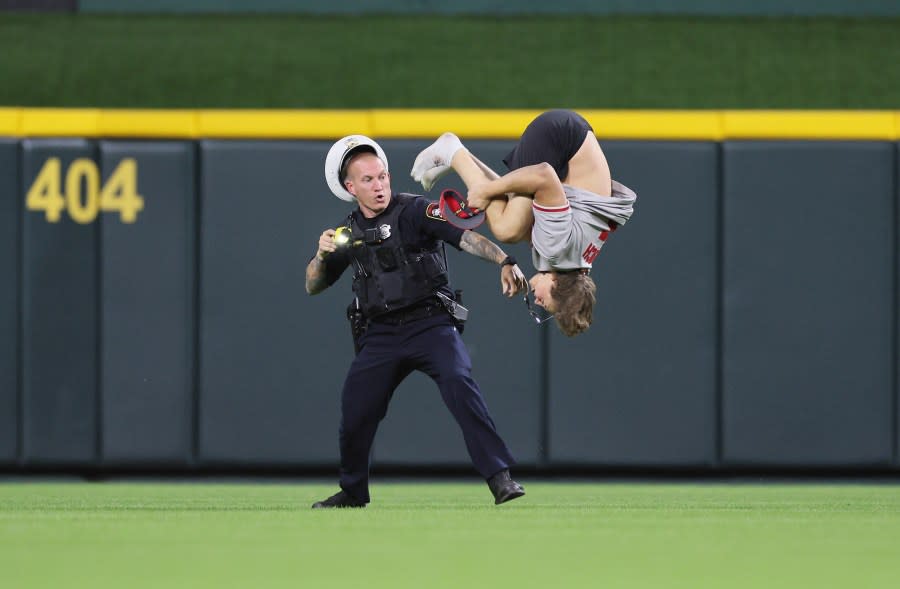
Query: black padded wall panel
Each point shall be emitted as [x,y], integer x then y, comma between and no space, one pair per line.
[272,358]
[638,388]
[147,319]
[808,303]
[59,316]
[9,297]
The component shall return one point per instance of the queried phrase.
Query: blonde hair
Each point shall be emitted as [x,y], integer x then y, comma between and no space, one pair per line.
[575,295]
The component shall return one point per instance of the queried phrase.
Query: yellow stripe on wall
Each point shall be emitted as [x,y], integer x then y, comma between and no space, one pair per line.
[59,122]
[282,124]
[698,125]
[9,121]
[147,123]
[657,124]
[810,125]
[473,124]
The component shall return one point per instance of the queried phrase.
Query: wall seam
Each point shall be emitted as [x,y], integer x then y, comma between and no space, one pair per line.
[20,322]
[98,301]
[195,297]
[895,338]
[719,377]
[544,454]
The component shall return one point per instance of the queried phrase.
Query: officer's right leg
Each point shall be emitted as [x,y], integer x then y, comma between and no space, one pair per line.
[375,373]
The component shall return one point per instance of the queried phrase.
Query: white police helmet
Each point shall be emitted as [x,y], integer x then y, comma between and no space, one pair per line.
[338,154]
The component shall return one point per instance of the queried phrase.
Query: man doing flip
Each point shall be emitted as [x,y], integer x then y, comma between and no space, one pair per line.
[559,194]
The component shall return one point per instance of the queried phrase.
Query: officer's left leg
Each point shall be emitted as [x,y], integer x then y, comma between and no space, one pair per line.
[442,355]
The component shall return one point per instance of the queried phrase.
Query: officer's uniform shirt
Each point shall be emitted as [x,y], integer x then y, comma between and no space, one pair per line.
[421,227]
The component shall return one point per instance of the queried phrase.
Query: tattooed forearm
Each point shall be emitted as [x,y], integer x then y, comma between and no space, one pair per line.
[478,245]
[315,276]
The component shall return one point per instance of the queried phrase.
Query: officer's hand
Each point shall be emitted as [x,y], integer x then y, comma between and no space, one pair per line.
[326,244]
[512,280]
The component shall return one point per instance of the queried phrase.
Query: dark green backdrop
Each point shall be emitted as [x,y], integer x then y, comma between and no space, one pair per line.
[294,61]
[704,7]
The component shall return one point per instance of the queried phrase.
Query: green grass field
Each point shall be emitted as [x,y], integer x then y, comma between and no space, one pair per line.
[450,535]
[293,61]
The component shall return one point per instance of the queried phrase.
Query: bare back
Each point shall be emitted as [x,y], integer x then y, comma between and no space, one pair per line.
[588,168]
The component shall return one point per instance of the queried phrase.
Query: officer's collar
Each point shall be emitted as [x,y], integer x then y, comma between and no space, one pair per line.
[362,218]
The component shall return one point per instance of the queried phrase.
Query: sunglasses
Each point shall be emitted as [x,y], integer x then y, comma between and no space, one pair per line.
[538,313]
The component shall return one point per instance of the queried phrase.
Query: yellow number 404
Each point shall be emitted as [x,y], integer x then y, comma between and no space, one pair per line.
[118,194]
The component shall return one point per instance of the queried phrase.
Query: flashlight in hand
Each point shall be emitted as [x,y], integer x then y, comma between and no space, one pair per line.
[342,236]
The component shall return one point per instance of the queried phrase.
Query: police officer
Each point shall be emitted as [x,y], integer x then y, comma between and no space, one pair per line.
[405,315]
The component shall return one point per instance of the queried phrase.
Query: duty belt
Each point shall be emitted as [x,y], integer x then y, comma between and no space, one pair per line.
[404,316]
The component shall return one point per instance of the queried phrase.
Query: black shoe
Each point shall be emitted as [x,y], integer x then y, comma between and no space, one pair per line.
[504,488]
[339,499]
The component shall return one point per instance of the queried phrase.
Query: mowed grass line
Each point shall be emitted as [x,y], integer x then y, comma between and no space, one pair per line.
[449,535]
[294,61]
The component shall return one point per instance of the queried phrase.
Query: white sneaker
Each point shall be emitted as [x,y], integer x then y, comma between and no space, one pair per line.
[434,161]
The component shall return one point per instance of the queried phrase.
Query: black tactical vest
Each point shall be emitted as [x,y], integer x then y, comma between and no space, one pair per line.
[388,275]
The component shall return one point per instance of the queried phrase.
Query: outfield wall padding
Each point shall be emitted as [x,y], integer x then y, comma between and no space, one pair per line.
[808,303]
[648,363]
[271,357]
[9,295]
[60,322]
[746,317]
[147,290]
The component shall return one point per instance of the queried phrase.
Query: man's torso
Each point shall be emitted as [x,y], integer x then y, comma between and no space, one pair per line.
[571,238]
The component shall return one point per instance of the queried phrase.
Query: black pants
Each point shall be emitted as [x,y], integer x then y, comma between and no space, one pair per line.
[387,356]
[553,137]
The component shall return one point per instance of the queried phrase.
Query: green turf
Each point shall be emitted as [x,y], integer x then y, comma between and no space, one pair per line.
[449,535]
[296,61]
